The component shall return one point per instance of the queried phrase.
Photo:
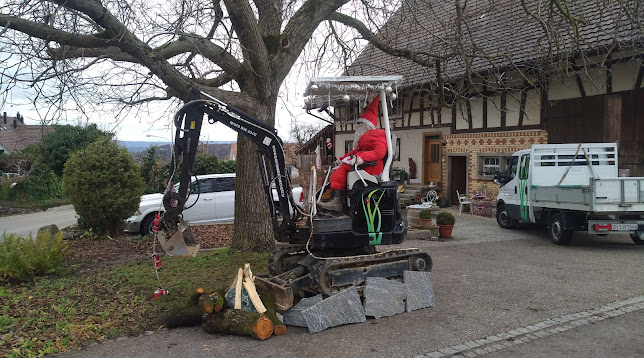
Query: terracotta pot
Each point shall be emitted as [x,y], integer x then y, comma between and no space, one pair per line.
[445,231]
[426,222]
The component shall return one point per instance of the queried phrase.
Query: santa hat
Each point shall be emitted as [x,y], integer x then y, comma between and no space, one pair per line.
[370,115]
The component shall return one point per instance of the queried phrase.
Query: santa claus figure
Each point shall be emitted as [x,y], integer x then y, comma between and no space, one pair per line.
[369,145]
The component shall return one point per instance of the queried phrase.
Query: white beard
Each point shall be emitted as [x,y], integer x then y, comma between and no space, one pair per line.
[361,128]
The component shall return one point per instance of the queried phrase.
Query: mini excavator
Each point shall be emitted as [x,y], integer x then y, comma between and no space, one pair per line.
[317,252]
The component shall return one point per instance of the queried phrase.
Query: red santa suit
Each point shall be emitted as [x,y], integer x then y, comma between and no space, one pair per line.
[372,146]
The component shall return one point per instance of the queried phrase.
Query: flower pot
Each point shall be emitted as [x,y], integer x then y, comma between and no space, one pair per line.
[445,231]
[426,222]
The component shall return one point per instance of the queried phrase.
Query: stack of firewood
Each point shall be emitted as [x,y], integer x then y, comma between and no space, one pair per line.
[260,324]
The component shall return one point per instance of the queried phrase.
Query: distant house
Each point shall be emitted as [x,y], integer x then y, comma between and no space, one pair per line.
[15,135]
[462,119]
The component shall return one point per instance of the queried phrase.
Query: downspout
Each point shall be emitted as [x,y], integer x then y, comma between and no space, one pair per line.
[385,115]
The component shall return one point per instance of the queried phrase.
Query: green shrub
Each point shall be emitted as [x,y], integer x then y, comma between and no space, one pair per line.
[445,218]
[23,257]
[425,214]
[104,184]
[4,189]
[44,184]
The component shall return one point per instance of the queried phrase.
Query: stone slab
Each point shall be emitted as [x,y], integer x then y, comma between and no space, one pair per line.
[420,293]
[293,317]
[384,297]
[342,308]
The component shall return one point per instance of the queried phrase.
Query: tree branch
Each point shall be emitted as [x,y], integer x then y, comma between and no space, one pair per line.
[251,41]
[420,57]
[48,33]
[130,44]
[299,30]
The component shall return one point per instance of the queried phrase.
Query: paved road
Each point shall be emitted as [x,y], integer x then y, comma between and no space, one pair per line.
[498,292]
[30,223]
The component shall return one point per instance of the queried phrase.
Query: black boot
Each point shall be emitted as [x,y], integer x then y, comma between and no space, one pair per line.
[334,203]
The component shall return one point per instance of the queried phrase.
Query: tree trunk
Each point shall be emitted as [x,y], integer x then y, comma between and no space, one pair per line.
[253,226]
[238,322]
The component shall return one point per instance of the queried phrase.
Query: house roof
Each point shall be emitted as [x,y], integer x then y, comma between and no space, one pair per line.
[16,139]
[496,34]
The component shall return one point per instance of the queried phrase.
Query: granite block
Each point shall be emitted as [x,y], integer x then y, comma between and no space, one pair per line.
[420,293]
[342,308]
[384,297]
[293,317]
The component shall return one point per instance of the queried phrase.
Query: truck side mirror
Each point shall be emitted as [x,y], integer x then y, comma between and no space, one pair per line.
[498,179]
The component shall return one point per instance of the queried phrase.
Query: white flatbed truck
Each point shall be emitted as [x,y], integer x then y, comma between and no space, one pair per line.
[571,187]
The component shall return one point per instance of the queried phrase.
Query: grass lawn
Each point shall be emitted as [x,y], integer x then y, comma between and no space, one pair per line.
[54,314]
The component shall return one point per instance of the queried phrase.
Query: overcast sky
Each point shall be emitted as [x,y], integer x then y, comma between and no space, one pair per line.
[151,127]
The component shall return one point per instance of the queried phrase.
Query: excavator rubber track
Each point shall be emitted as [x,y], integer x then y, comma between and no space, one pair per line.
[331,275]
[285,258]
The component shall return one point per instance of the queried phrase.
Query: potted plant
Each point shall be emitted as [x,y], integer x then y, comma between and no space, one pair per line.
[425,216]
[445,222]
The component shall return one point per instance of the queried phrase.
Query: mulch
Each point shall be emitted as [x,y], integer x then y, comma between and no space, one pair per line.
[89,254]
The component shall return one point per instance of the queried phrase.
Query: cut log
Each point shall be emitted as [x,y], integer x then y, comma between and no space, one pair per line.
[238,322]
[194,298]
[213,302]
[264,292]
[238,287]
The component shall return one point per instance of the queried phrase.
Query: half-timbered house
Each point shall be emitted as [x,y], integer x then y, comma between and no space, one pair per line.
[511,85]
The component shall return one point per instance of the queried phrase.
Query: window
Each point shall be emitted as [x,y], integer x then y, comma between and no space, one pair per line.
[348,146]
[396,148]
[224,184]
[488,164]
[491,164]
[201,186]
[512,171]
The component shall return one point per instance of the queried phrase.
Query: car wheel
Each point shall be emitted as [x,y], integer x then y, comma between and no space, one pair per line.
[502,218]
[147,224]
[638,237]
[558,234]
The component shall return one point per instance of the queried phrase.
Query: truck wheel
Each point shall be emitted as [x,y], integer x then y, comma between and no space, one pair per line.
[638,237]
[502,218]
[558,234]
[147,224]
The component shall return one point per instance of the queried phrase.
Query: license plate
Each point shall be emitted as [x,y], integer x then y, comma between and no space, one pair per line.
[624,227]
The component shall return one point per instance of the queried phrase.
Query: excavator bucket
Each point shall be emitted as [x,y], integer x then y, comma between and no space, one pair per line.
[283,295]
[181,243]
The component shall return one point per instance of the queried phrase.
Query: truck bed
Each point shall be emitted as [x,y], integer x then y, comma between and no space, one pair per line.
[606,195]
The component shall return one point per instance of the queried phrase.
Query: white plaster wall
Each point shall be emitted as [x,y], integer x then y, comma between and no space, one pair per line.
[339,143]
[415,118]
[532,108]
[594,81]
[446,115]
[624,76]
[513,104]
[563,88]
[461,115]
[477,112]
[494,111]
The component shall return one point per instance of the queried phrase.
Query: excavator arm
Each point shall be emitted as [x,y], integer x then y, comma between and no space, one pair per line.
[188,122]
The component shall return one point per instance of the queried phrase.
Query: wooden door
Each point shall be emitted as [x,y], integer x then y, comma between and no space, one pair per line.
[457,178]
[432,165]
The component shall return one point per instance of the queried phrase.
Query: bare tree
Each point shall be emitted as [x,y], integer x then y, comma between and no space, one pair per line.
[95,53]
